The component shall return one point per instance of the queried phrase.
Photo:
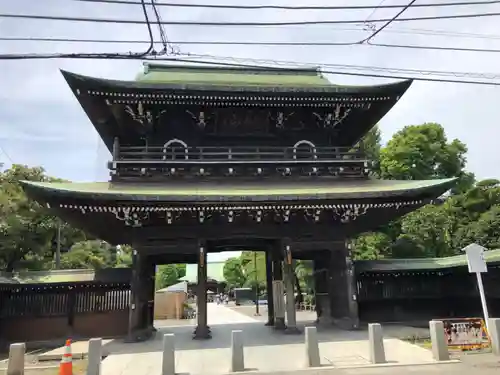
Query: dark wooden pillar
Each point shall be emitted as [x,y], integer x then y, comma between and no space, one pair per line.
[150,290]
[321,263]
[342,289]
[279,311]
[291,311]
[133,317]
[202,331]
[142,292]
[269,287]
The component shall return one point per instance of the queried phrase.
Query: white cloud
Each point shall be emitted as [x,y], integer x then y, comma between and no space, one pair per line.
[41,123]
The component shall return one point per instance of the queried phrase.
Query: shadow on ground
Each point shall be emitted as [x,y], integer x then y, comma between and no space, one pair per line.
[255,334]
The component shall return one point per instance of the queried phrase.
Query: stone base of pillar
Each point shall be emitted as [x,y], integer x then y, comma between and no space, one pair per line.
[279,324]
[139,335]
[202,333]
[347,324]
[196,329]
[293,331]
[324,321]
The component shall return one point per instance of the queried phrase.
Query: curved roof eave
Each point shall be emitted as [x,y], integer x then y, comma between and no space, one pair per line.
[231,193]
[399,87]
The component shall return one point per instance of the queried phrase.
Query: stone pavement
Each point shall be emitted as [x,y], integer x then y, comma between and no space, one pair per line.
[265,349]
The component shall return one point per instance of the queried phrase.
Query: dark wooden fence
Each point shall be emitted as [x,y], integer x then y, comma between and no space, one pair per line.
[413,296]
[55,311]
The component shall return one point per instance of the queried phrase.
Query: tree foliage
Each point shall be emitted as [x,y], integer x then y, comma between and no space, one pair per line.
[29,233]
[169,274]
[469,214]
[233,273]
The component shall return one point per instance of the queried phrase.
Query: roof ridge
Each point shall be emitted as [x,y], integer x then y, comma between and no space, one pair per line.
[155,67]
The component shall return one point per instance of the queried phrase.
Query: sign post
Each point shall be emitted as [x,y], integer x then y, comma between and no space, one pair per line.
[477,265]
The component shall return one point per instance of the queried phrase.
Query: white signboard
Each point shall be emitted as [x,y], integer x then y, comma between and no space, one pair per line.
[475,258]
[477,265]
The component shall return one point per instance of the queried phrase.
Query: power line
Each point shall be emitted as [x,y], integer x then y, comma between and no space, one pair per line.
[379,30]
[7,156]
[248,43]
[328,71]
[372,13]
[454,34]
[267,64]
[197,23]
[290,7]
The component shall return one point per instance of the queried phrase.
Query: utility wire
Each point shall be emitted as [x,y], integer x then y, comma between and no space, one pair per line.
[410,31]
[329,71]
[150,32]
[379,30]
[267,66]
[7,156]
[269,62]
[196,23]
[300,7]
[247,43]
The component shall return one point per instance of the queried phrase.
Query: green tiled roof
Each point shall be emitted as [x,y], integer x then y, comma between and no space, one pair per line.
[215,271]
[491,256]
[234,191]
[53,276]
[202,75]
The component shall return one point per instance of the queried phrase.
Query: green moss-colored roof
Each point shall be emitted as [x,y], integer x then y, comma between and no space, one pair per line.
[175,79]
[53,276]
[215,271]
[178,74]
[242,191]
[491,256]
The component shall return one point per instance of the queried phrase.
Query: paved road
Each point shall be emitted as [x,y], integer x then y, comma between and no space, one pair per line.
[265,350]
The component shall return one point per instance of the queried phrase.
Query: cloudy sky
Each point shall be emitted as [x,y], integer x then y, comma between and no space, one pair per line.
[41,122]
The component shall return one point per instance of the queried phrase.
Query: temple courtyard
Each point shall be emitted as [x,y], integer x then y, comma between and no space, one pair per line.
[265,350]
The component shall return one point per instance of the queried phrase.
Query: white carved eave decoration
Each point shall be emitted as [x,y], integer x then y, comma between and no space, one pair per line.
[157,98]
[130,217]
[200,119]
[330,120]
[345,213]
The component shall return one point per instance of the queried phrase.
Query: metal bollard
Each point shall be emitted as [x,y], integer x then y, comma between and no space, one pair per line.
[94,357]
[15,365]
[376,342]
[312,348]
[439,346]
[237,354]
[168,358]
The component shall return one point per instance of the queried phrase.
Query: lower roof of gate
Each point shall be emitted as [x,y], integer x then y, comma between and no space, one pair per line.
[237,191]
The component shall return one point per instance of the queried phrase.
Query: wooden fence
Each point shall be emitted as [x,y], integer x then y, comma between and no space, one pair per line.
[55,311]
[406,296]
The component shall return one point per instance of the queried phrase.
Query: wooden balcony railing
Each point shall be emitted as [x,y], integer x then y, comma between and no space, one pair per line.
[216,160]
[235,155]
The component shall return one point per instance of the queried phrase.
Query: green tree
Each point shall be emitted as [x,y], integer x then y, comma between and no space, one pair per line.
[233,273]
[89,254]
[28,231]
[371,146]
[428,230]
[372,245]
[254,269]
[169,274]
[420,152]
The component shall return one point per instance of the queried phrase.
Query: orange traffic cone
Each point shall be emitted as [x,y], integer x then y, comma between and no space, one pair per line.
[66,365]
